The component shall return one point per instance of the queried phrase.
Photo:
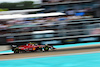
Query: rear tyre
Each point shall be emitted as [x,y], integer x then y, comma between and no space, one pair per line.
[16,51]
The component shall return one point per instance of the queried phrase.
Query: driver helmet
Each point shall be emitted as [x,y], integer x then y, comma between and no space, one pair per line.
[33,44]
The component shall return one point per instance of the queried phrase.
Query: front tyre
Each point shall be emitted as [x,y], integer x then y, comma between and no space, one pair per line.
[46,48]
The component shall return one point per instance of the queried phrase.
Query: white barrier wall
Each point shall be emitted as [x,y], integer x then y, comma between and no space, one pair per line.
[5,47]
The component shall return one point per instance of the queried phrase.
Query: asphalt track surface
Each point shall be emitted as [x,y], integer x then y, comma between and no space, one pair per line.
[51,53]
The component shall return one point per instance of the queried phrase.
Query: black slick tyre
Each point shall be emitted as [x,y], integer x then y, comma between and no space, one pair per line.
[16,50]
[46,48]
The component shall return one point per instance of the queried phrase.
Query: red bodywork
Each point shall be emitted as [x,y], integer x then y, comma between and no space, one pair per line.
[30,47]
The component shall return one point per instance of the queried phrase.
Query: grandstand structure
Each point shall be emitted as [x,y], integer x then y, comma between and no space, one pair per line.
[65,5]
[62,32]
[62,5]
[73,30]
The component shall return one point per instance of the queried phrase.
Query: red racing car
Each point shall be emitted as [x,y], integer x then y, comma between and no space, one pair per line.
[31,48]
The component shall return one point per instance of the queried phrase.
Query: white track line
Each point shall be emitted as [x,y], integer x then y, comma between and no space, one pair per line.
[53,55]
[7,53]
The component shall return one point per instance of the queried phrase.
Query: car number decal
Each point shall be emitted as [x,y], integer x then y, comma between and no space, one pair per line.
[30,48]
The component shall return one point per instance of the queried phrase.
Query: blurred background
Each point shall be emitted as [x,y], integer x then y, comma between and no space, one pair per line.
[49,21]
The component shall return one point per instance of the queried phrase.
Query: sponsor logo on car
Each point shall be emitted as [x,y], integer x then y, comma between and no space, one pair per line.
[30,48]
[21,47]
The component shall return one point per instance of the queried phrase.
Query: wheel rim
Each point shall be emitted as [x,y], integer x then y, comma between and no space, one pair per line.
[16,51]
[46,48]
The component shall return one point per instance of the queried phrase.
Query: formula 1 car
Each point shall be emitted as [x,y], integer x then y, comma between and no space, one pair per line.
[32,48]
